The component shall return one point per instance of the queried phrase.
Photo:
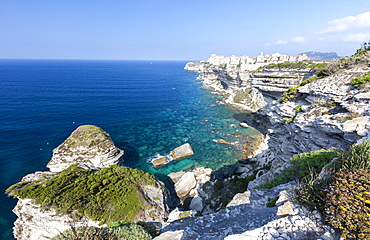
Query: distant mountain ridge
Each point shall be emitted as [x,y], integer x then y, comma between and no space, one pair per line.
[321,56]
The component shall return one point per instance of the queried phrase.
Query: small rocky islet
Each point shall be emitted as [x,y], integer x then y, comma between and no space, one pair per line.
[320,108]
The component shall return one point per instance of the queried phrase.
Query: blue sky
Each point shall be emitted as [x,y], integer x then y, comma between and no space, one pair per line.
[179,30]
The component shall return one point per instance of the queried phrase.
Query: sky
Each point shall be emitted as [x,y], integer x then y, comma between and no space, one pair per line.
[179,30]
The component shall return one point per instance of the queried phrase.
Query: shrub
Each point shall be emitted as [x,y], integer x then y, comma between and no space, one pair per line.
[87,192]
[357,157]
[289,94]
[348,203]
[312,191]
[302,166]
[348,117]
[84,233]
[271,202]
[152,229]
[357,82]
[130,232]
[288,119]
[124,232]
[298,109]
[221,193]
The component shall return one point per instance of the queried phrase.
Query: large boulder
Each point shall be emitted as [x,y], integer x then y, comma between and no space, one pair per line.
[183,151]
[89,146]
[186,183]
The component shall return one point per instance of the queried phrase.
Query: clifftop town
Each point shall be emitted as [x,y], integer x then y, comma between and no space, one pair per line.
[246,63]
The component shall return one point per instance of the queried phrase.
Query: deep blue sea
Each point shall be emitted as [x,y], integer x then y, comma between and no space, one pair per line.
[148,108]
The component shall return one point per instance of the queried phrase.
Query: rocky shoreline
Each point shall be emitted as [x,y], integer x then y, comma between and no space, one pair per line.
[331,114]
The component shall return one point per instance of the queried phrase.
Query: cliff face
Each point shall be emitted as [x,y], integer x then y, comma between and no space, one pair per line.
[37,223]
[245,90]
[279,80]
[88,145]
[327,113]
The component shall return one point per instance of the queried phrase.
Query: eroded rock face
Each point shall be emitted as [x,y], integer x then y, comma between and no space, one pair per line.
[37,223]
[88,145]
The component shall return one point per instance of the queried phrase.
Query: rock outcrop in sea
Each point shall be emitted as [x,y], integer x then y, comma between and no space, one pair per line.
[88,145]
[91,149]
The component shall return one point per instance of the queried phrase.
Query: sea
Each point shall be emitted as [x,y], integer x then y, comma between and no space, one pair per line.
[147,107]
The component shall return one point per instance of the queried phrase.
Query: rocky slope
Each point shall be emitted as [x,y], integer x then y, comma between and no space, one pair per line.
[326,113]
[330,116]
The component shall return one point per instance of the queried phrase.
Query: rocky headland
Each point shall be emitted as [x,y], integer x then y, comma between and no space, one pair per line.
[85,188]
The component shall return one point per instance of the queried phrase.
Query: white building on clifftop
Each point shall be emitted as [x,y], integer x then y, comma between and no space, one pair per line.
[246,63]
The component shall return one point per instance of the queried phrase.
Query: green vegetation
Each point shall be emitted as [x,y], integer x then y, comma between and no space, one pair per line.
[242,95]
[298,65]
[297,109]
[271,202]
[363,51]
[359,82]
[347,205]
[291,93]
[107,195]
[343,196]
[348,117]
[301,167]
[357,157]
[288,119]
[123,232]
[221,193]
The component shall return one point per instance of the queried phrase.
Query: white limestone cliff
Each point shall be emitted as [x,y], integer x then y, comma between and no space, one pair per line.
[88,145]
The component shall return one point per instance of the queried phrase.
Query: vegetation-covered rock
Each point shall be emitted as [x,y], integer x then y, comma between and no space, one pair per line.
[303,165]
[343,193]
[107,195]
[88,145]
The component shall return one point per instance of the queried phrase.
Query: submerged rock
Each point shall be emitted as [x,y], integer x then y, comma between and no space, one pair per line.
[159,161]
[183,151]
[88,145]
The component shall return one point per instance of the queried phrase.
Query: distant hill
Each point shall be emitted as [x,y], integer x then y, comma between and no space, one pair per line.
[321,56]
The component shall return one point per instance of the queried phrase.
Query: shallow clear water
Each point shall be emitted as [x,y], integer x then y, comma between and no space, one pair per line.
[148,108]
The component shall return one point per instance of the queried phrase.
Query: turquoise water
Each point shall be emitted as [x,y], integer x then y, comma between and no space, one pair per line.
[148,108]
